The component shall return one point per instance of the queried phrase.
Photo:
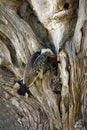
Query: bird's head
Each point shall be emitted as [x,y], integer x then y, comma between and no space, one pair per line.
[48,52]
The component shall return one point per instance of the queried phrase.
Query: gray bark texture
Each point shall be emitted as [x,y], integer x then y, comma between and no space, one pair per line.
[27,26]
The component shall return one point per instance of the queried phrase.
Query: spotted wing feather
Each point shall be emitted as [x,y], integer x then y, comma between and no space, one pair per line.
[29,72]
[40,62]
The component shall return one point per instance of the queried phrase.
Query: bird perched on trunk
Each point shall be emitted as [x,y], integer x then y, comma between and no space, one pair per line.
[37,65]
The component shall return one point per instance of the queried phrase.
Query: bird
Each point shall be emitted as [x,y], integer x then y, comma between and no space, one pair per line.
[37,65]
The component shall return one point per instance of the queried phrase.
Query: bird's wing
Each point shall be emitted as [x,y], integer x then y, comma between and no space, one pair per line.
[40,62]
[29,73]
[34,66]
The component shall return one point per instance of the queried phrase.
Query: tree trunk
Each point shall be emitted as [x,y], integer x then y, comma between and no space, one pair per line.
[25,27]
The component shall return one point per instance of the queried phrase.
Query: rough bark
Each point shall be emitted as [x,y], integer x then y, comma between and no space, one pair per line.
[43,24]
[17,112]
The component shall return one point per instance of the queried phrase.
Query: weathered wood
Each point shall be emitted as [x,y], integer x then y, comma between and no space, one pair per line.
[13,32]
[58,17]
[71,102]
[18,112]
[44,24]
[84,96]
